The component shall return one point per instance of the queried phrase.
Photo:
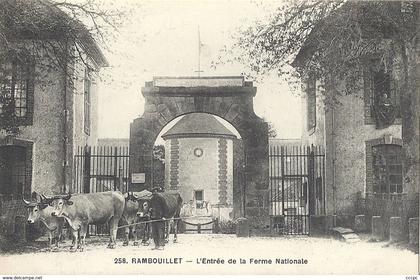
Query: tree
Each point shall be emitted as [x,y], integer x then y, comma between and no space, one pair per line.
[54,35]
[330,40]
[39,22]
[272,132]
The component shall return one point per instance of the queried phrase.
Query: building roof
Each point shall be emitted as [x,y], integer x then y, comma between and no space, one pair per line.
[362,11]
[198,125]
[41,19]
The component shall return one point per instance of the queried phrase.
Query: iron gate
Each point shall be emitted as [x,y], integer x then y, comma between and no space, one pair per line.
[99,169]
[297,187]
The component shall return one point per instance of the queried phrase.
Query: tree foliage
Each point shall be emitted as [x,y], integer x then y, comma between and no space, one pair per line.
[336,41]
[48,28]
[50,39]
[328,39]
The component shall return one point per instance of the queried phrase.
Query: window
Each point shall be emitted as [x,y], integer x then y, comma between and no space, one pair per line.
[199,199]
[382,98]
[383,84]
[87,102]
[13,171]
[16,90]
[387,169]
[311,102]
[199,195]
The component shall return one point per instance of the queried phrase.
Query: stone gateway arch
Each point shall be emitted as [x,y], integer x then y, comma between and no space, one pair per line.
[230,98]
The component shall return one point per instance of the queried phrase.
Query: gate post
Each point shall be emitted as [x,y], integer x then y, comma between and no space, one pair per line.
[115,168]
[282,179]
[121,186]
[86,169]
[311,181]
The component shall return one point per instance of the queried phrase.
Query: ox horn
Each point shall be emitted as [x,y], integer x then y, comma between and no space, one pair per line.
[26,202]
[45,199]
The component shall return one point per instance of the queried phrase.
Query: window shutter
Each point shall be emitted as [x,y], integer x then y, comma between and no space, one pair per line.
[395,96]
[87,109]
[311,102]
[30,91]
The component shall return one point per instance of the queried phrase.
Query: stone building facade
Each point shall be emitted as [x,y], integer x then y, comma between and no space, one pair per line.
[56,110]
[361,133]
[350,138]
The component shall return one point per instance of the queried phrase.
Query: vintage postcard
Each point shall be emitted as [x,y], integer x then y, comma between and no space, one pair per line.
[209,137]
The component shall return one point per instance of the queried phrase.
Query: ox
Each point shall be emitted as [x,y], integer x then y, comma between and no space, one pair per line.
[165,205]
[39,211]
[130,216]
[92,208]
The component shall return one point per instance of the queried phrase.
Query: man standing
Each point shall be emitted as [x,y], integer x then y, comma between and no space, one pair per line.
[159,210]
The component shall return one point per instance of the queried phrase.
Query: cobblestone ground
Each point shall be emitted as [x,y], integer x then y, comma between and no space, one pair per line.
[323,256]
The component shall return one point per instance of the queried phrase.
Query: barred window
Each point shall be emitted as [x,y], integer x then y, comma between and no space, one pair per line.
[311,102]
[87,102]
[387,169]
[16,88]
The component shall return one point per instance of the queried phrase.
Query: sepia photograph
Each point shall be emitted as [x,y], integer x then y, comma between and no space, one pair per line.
[209,137]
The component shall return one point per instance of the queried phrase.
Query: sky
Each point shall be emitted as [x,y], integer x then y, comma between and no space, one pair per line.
[160,38]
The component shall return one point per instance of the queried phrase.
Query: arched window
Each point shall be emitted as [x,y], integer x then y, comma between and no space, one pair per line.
[387,169]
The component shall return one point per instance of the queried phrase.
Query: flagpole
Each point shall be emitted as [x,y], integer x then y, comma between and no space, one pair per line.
[199,52]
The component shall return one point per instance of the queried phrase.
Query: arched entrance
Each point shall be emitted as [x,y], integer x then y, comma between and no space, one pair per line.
[230,98]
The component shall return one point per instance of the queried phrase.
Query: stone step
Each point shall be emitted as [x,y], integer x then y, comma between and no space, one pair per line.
[342,230]
[351,237]
[346,234]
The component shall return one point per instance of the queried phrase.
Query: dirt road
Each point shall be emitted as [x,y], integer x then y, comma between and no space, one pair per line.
[220,254]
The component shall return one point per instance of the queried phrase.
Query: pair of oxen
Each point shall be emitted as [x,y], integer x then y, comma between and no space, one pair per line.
[80,210]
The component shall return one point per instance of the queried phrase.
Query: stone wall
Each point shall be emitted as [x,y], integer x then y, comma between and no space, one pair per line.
[351,136]
[345,136]
[315,135]
[198,173]
[80,138]
[46,134]
[234,104]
